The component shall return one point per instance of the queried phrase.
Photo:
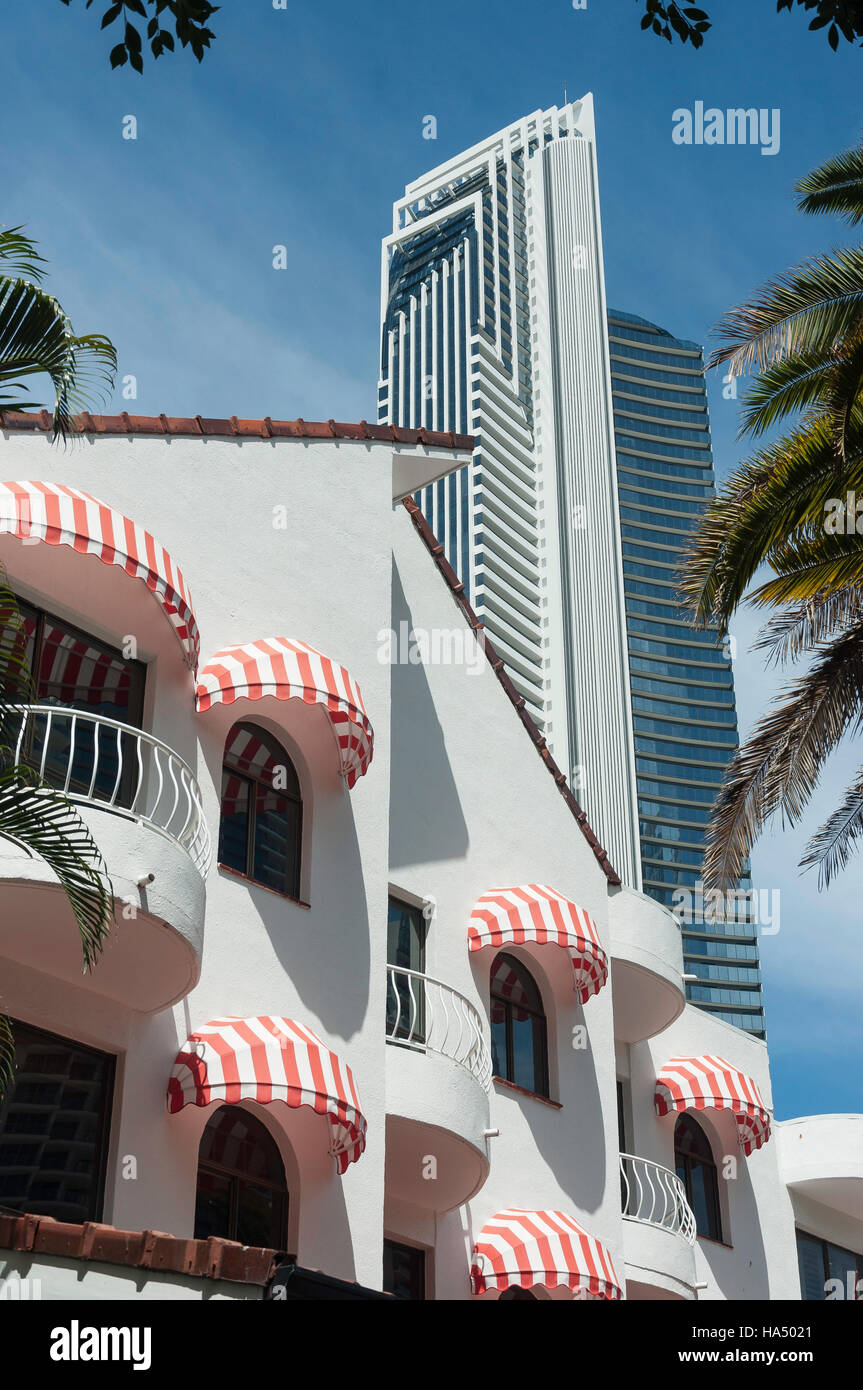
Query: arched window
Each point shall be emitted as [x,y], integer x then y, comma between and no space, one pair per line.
[696,1168]
[518,1029]
[242,1193]
[517,1295]
[262,811]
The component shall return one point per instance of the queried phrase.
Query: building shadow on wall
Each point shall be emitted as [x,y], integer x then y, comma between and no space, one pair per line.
[335,931]
[426,818]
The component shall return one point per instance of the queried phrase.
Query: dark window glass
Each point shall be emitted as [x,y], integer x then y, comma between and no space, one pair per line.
[242,1193]
[518,1026]
[621,1117]
[516,1295]
[74,671]
[820,1261]
[54,1127]
[69,667]
[406,933]
[404,1270]
[261,828]
[696,1168]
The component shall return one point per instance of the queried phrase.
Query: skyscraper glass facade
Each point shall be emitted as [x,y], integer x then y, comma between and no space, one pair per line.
[684,716]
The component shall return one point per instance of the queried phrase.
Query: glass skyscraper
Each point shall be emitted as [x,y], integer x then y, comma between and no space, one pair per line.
[592,455]
[683,710]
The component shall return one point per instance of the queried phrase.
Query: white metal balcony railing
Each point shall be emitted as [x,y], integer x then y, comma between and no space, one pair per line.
[655,1196]
[429,1016]
[103,763]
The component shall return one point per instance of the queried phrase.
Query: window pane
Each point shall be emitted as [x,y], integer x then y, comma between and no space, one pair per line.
[21,644]
[810,1259]
[703,1199]
[405,936]
[275,840]
[234,1139]
[523,1045]
[235,1150]
[255,752]
[259,1216]
[234,826]
[404,1270]
[842,1263]
[76,671]
[498,1039]
[511,980]
[53,1128]
[212,1206]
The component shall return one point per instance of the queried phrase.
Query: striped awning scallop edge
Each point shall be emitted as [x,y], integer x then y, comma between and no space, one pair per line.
[290,670]
[270,1059]
[536,913]
[518,1248]
[711,1083]
[62,515]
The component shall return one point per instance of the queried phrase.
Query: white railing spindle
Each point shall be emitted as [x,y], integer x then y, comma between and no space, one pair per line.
[655,1196]
[447,1024]
[77,747]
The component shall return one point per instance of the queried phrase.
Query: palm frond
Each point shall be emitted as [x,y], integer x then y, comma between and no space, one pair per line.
[833,844]
[7,1055]
[777,769]
[841,395]
[836,187]
[19,256]
[808,564]
[37,337]
[783,487]
[16,681]
[782,388]
[797,630]
[808,308]
[45,824]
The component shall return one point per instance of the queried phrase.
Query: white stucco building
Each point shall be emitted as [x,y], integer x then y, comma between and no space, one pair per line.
[491,1088]
[493,321]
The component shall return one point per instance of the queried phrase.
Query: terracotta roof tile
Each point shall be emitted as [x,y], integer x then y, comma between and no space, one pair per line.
[497,665]
[207,1259]
[198,425]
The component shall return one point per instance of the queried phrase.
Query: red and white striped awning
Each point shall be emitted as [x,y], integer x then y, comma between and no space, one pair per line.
[289,670]
[270,1059]
[711,1083]
[538,914]
[62,515]
[523,1248]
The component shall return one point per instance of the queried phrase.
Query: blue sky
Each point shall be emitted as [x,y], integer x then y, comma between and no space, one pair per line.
[300,128]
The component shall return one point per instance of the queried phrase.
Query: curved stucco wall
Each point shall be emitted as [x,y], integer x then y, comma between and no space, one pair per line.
[659,1258]
[646,963]
[153,956]
[822,1155]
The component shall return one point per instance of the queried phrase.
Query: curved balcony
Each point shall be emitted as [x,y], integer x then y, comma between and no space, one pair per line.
[658,1231]
[142,804]
[821,1156]
[646,966]
[437,1082]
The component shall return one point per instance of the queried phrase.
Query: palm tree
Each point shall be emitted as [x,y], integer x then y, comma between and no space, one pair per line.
[788,508]
[36,339]
[41,820]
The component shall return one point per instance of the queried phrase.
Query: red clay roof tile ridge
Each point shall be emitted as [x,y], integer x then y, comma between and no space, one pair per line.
[231,427]
[155,1250]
